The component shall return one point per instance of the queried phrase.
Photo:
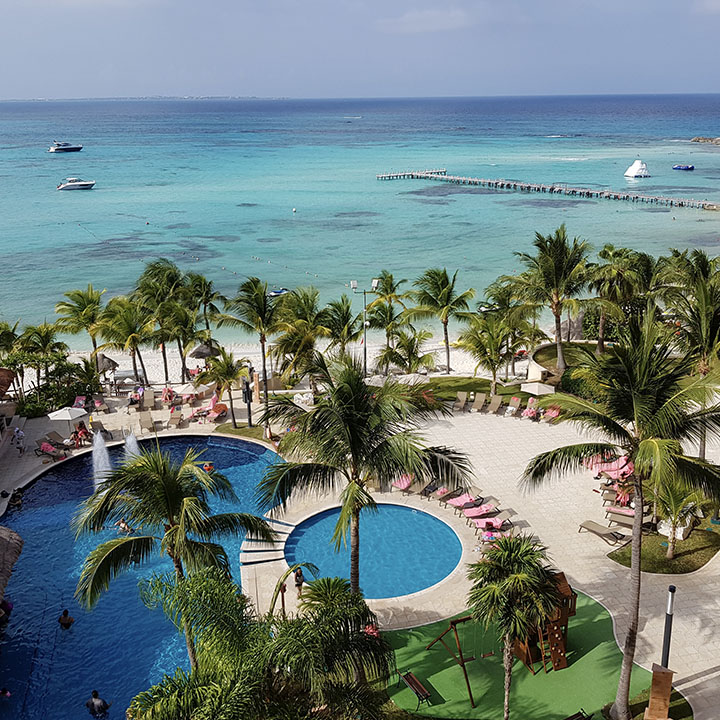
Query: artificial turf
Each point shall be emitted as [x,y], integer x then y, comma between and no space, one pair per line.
[589,681]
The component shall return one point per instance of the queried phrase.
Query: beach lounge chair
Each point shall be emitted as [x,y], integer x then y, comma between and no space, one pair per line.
[551,413]
[609,535]
[512,407]
[219,411]
[45,448]
[147,422]
[79,402]
[56,439]
[477,511]
[496,522]
[460,401]
[494,405]
[472,498]
[404,483]
[99,404]
[443,495]
[478,402]
[176,419]
[97,426]
[429,489]
[531,411]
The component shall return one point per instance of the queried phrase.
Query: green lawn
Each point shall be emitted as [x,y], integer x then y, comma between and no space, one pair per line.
[690,554]
[679,707]
[448,387]
[590,680]
[255,432]
[547,356]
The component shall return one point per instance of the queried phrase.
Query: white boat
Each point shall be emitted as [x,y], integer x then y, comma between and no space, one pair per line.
[64,147]
[637,170]
[76,184]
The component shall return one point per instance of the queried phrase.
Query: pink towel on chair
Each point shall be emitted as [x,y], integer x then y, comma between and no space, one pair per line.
[461,500]
[484,523]
[478,511]
[441,492]
[47,448]
[404,482]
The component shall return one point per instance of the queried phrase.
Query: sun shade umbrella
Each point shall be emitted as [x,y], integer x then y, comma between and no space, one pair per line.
[537,388]
[68,415]
[105,364]
[203,351]
[190,389]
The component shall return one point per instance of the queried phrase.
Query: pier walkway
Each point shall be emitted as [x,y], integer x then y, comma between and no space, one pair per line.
[553,189]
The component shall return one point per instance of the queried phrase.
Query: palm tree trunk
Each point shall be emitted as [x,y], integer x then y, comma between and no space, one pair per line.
[205,315]
[232,409]
[134,362]
[671,542]
[94,344]
[493,387]
[558,342]
[189,643]
[568,322]
[142,365]
[620,709]
[183,368]
[447,346]
[265,384]
[601,334]
[165,365]
[355,551]
[507,664]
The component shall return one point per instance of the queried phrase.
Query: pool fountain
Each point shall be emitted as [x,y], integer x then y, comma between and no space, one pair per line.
[132,447]
[100,460]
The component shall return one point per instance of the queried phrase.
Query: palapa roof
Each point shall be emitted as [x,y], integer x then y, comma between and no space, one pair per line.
[10,546]
[6,378]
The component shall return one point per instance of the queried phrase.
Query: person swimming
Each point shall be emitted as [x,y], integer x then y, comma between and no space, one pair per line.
[66,620]
[123,527]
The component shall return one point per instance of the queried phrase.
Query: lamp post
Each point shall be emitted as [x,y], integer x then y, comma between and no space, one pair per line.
[354,288]
[668,626]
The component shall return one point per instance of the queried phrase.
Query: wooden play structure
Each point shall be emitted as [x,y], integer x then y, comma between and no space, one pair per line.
[548,644]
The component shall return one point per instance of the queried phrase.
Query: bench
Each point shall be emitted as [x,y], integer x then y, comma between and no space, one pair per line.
[580,715]
[422,695]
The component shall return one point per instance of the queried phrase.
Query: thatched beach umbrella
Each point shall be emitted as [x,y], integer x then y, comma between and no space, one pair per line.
[10,546]
[106,364]
[6,378]
[204,351]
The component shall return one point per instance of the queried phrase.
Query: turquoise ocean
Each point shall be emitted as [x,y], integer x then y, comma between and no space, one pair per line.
[212,185]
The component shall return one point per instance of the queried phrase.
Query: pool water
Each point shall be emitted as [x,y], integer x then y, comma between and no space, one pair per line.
[402,550]
[120,647]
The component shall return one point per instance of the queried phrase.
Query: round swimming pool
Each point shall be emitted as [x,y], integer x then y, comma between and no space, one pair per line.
[402,550]
[120,647]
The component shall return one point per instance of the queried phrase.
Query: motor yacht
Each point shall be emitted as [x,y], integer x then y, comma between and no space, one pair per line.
[64,147]
[76,184]
[638,169]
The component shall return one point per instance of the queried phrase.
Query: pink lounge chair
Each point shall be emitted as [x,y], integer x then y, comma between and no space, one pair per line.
[479,511]
[485,523]
[460,500]
[79,402]
[219,411]
[551,413]
[531,410]
[403,482]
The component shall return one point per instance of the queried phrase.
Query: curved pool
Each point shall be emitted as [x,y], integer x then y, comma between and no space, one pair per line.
[120,647]
[402,550]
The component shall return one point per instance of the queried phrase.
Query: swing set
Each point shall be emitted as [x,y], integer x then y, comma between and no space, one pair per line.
[460,658]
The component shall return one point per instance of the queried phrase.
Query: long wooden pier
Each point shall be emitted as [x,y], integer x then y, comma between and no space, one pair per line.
[441,175]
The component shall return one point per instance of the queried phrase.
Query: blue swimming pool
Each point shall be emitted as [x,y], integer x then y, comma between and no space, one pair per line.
[402,550]
[120,647]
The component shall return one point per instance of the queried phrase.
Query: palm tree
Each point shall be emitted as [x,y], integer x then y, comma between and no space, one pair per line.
[408,353]
[125,325]
[677,505]
[168,504]
[301,324]
[514,590]
[437,296]
[488,339]
[646,409]
[8,337]
[343,325]
[225,371]
[41,341]
[555,275]
[355,436]
[80,313]
[615,282]
[388,290]
[388,317]
[272,667]
[254,310]
[180,324]
[204,297]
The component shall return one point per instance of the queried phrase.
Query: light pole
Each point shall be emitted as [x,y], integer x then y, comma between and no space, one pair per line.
[668,626]
[354,288]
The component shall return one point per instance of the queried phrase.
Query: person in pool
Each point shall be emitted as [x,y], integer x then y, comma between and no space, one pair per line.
[66,620]
[96,706]
[123,527]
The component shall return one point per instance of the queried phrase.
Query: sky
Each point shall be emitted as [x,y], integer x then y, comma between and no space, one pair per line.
[356,48]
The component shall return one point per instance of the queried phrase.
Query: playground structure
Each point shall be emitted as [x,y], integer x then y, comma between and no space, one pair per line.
[548,644]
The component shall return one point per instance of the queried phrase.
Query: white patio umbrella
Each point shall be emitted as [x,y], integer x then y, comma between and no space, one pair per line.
[190,389]
[537,388]
[375,380]
[412,379]
[68,415]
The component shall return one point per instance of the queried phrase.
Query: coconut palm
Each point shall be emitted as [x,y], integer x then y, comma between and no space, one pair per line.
[513,590]
[489,340]
[8,337]
[646,408]
[41,341]
[225,371]
[343,325]
[80,313]
[555,275]
[253,309]
[386,316]
[180,324]
[677,505]
[167,502]
[267,668]
[388,290]
[125,325]
[355,436]
[615,281]
[204,297]
[436,296]
[408,352]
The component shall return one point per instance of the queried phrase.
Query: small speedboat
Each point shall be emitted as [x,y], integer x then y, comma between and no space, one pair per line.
[278,293]
[64,147]
[637,170]
[76,184]
[683,167]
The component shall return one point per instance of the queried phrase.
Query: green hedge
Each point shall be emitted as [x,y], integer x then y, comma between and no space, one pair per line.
[574,383]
